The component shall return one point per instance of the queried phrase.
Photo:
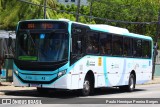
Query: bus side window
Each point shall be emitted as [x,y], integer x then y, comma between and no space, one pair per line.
[127,46]
[92,43]
[105,44]
[117,45]
[137,48]
[146,49]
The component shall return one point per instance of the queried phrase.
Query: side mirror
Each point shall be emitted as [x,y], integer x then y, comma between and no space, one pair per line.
[79,45]
[9,41]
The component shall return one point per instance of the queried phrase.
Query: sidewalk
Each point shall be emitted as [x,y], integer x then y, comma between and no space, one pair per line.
[156,80]
[8,86]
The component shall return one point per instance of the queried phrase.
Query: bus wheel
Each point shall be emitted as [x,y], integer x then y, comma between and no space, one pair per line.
[86,87]
[42,90]
[131,84]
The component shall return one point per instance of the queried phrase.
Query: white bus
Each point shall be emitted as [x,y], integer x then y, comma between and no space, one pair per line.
[61,54]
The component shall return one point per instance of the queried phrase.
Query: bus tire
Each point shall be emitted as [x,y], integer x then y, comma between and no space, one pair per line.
[131,84]
[86,87]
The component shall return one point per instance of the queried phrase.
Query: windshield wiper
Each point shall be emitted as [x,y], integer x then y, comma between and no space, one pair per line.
[28,33]
[36,47]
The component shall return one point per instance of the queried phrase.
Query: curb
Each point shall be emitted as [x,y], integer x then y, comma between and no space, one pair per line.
[2,93]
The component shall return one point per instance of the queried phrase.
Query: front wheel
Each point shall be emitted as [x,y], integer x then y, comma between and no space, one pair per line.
[86,87]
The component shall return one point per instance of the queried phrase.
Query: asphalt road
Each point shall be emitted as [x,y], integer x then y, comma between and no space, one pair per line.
[98,99]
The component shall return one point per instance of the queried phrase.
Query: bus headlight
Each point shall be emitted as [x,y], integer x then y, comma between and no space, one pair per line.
[16,72]
[61,73]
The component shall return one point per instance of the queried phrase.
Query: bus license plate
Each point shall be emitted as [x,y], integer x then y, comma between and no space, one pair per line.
[35,85]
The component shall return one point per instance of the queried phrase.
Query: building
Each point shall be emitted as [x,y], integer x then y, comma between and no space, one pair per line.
[5,49]
[69,2]
[7,52]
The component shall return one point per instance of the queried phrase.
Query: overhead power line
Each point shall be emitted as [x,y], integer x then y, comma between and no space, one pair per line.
[92,17]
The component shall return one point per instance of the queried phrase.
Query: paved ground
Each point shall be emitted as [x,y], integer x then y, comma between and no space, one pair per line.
[8,87]
[150,92]
[71,99]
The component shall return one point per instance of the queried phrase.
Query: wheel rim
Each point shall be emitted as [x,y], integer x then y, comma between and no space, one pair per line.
[86,86]
[131,83]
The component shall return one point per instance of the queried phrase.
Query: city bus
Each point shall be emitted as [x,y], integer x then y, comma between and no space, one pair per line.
[62,54]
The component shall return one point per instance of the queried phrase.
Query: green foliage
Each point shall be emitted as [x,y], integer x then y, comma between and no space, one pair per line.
[128,10]
[12,11]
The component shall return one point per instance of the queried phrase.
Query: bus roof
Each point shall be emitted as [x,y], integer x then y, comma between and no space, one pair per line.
[117,30]
[108,28]
[100,27]
[138,36]
[65,20]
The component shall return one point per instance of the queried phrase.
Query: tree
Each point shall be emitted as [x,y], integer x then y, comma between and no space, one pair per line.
[129,11]
[14,11]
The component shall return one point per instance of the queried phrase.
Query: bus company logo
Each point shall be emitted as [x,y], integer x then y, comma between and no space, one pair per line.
[144,66]
[136,66]
[87,64]
[6,101]
[90,63]
[115,66]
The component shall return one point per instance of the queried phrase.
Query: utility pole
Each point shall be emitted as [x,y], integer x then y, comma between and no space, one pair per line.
[156,45]
[78,7]
[45,3]
[91,10]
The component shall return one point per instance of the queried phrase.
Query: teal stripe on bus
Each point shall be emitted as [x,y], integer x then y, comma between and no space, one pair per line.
[105,71]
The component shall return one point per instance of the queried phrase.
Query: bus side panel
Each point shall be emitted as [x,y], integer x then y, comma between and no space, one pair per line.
[116,71]
[145,69]
[80,69]
[64,82]
[119,69]
[87,64]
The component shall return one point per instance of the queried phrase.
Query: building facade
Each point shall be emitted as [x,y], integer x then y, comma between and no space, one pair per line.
[69,2]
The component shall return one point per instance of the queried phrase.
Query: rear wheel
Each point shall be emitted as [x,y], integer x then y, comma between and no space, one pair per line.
[131,84]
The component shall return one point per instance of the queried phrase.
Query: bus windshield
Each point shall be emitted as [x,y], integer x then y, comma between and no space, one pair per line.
[42,47]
